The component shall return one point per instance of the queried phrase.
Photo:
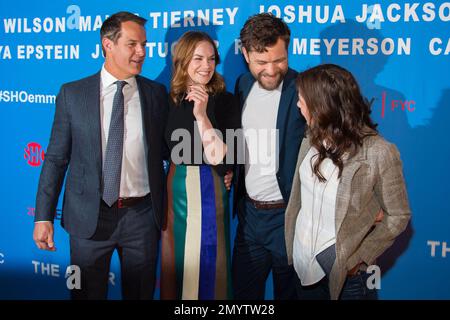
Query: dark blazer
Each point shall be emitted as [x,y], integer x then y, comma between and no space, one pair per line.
[75,147]
[291,126]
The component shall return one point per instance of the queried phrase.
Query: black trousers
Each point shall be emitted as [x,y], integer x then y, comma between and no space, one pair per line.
[133,233]
[259,248]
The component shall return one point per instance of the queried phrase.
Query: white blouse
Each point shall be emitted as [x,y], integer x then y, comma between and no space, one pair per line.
[315,226]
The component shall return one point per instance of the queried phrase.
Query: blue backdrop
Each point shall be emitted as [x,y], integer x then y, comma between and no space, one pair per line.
[399,52]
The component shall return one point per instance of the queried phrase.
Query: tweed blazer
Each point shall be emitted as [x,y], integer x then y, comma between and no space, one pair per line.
[371,180]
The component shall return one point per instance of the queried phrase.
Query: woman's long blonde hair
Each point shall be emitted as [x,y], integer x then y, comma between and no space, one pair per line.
[182,56]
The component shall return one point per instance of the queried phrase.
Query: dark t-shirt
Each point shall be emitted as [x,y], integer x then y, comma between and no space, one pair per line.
[223,112]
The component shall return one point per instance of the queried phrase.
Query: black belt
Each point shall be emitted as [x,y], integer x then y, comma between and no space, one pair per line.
[130,202]
[267,205]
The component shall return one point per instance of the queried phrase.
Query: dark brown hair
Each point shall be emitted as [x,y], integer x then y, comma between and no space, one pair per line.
[182,56]
[340,116]
[111,27]
[263,30]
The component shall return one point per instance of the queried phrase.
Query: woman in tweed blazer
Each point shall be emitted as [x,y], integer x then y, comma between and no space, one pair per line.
[346,172]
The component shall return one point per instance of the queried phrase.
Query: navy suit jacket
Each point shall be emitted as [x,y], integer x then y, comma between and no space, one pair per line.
[291,126]
[75,147]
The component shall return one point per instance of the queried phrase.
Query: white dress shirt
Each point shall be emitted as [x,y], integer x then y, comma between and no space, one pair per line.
[259,122]
[134,178]
[315,226]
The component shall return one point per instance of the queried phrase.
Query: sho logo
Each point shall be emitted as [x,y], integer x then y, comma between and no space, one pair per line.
[2,258]
[34,154]
[437,244]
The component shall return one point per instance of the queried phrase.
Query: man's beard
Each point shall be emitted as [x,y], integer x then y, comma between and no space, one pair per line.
[273,84]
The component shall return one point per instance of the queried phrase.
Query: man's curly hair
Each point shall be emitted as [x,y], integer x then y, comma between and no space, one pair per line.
[263,30]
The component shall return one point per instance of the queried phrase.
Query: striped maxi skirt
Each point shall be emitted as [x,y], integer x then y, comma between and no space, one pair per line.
[195,252]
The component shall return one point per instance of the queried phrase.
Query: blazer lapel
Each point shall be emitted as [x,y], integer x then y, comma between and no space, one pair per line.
[92,108]
[295,196]
[247,84]
[304,148]
[294,203]
[344,189]
[145,99]
[287,94]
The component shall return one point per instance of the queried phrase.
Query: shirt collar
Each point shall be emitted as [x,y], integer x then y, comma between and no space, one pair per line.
[108,79]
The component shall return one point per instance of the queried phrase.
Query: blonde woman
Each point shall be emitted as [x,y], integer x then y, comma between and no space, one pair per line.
[195,237]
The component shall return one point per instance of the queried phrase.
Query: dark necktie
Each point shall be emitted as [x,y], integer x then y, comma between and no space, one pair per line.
[112,165]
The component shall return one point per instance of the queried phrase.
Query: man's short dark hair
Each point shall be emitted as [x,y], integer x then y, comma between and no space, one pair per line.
[263,30]
[111,27]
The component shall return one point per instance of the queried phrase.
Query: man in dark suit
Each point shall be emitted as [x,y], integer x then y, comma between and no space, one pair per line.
[268,99]
[108,134]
